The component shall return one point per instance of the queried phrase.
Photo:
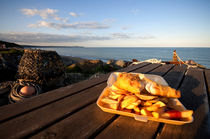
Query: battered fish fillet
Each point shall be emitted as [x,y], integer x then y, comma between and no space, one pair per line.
[161,90]
[129,82]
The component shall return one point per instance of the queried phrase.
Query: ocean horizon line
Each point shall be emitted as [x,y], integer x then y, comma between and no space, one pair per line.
[41,46]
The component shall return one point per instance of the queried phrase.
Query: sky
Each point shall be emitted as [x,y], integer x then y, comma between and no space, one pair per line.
[106,23]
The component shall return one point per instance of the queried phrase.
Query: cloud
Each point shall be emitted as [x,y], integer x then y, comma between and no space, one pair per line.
[30,38]
[44,13]
[77,25]
[131,36]
[75,14]
[120,36]
[146,37]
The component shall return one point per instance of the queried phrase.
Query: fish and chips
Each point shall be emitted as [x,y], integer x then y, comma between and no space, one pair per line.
[140,95]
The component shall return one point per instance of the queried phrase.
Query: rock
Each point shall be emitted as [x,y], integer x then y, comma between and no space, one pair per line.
[98,62]
[120,63]
[69,60]
[73,68]
[110,62]
[9,60]
[135,60]
[89,66]
[117,63]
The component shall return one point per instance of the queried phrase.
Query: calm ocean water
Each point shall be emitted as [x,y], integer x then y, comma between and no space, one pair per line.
[199,55]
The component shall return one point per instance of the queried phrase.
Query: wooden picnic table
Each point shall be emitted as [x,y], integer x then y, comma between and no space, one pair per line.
[71,111]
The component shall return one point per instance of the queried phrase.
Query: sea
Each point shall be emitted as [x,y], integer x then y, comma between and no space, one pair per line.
[198,54]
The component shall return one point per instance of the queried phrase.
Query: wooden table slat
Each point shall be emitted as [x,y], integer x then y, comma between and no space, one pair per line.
[147,68]
[193,97]
[82,124]
[162,69]
[44,116]
[126,127]
[12,110]
[175,76]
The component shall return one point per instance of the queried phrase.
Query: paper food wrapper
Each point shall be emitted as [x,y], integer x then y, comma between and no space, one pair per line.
[173,103]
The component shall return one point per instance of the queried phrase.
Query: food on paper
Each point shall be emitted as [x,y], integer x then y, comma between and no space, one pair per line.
[129,82]
[145,112]
[160,90]
[130,102]
[140,95]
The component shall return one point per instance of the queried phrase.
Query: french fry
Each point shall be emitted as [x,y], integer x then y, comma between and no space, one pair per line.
[109,100]
[146,103]
[120,98]
[156,106]
[128,100]
[137,109]
[111,103]
[158,112]
[114,95]
[113,106]
[145,112]
[133,105]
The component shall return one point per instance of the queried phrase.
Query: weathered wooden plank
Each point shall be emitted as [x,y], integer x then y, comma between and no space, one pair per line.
[162,69]
[193,97]
[128,128]
[147,68]
[81,124]
[91,128]
[175,76]
[44,116]
[207,75]
[134,67]
[12,110]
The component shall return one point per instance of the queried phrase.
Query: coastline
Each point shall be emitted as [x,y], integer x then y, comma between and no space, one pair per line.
[199,55]
[76,68]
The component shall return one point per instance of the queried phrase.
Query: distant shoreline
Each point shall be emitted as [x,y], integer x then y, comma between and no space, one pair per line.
[32,46]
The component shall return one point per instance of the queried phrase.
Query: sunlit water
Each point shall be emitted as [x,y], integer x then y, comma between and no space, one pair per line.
[199,55]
